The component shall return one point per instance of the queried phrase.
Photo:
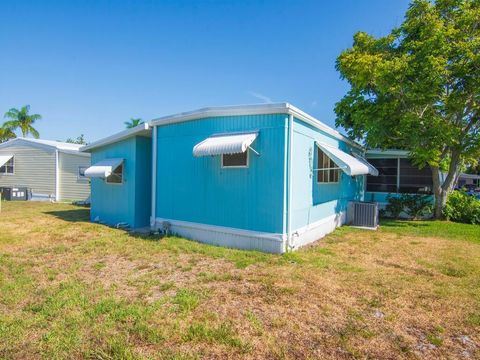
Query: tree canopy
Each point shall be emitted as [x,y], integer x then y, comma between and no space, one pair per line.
[6,133]
[133,122]
[23,120]
[78,140]
[418,88]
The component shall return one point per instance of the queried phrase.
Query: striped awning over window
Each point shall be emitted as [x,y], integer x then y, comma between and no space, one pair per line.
[346,162]
[220,144]
[103,169]
[371,169]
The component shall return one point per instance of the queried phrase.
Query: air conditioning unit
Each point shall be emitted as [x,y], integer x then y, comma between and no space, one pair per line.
[363,214]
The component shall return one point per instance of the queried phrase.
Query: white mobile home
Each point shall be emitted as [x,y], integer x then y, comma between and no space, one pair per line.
[51,169]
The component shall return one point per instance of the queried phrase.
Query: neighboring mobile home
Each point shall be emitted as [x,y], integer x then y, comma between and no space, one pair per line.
[398,175]
[266,177]
[51,169]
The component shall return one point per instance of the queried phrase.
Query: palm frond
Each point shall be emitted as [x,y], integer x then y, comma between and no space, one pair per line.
[34,132]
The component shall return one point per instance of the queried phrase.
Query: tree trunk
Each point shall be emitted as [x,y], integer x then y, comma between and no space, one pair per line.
[441,188]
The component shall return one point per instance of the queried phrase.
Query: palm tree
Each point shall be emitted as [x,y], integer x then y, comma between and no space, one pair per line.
[23,120]
[6,133]
[133,122]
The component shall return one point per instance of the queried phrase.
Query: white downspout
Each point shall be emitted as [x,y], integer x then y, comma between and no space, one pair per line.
[57,178]
[154,177]
[289,183]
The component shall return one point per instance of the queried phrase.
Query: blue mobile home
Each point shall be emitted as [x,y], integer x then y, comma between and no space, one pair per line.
[267,177]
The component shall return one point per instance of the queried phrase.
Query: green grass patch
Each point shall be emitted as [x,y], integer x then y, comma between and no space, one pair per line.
[442,229]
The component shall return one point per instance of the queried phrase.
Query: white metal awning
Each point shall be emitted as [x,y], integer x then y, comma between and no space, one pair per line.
[103,169]
[371,169]
[225,144]
[4,159]
[349,164]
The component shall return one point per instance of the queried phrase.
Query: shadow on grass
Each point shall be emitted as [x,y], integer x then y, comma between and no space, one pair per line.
[404,223]
[77,215]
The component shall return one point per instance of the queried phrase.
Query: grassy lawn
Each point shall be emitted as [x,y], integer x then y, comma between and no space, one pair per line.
[72,289]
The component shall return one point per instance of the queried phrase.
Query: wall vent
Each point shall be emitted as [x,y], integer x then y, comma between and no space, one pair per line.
[363,214]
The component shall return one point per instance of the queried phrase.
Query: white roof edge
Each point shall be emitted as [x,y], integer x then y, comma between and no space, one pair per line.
[257,109]
[74,152]
[50,144]
[469,176]
[116,137]
[396,152]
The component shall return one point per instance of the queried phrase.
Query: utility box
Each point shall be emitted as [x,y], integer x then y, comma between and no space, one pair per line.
[363,214]
[20,194]
[16,193]
[6,193]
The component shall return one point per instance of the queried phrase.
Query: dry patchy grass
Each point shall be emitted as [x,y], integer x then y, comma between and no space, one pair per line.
[72,289]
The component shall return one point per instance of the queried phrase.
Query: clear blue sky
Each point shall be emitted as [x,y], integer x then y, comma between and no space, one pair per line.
[88,66]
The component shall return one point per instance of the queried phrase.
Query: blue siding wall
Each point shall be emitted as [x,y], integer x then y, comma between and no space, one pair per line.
[128,202]
[198,189]
[143,181]
[311,201]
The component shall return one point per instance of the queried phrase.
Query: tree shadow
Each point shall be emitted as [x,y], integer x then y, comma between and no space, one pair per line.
[77,215]
[403,223]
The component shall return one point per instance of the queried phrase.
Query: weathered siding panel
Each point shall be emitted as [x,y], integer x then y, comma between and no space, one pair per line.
[199,190]
[129,202]
[71,187]
[34,168]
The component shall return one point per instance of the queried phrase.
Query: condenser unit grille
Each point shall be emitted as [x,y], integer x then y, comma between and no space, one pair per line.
[365,214]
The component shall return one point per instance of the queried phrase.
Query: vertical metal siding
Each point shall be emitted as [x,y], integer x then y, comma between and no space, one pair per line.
[34,168]
[199,190]
[71,187]
[313,202]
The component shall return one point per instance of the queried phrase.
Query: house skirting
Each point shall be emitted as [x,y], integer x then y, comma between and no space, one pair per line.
[247,239]
[223,236]
[317,230]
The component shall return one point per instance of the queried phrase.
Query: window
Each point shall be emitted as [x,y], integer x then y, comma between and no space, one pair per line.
[386,181]
[235,160]
[399,175]
[327,170]
[414,180]
[116,177]
[81,172]
[8,168]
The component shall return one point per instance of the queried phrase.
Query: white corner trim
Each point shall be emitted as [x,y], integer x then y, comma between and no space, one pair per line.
[57,177]
[225,236]
[145,127]
[154,177]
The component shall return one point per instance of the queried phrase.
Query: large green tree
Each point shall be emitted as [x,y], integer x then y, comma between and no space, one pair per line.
[23,120]
[418,89]
[133,122]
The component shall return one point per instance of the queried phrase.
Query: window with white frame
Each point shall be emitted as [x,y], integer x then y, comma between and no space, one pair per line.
[235,160]
[8,168]
[81,172]
[116,177]
[327,170]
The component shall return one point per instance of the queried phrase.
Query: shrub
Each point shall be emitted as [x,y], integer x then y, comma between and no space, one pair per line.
[463,208]
[415,206]
[394,207]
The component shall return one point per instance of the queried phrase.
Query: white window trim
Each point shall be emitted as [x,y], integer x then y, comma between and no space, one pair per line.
[237,166]
[80,177]
[123,177]
[326,170]
[8,174]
